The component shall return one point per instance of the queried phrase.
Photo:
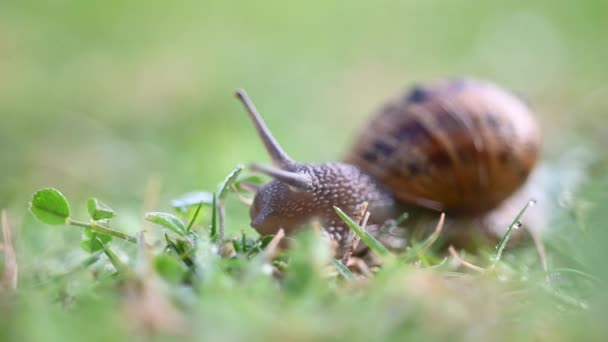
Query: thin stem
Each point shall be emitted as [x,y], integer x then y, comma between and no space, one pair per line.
[516,224]
[221,213]
[463,262]
[78,223]
[101,229]
[213,232]
[191,223]
[418,249]
[343,270]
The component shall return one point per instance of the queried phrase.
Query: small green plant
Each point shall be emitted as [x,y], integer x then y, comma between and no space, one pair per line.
[176,259]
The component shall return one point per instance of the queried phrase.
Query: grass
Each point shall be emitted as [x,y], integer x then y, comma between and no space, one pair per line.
[132,103]
[178,282]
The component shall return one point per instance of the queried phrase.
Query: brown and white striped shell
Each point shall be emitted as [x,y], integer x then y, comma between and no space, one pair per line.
[462,146]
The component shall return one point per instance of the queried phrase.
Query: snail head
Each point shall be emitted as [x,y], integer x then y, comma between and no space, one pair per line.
[286,201]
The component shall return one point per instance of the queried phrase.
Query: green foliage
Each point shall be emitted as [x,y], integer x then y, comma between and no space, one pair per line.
[194,217]
[168,221]
[182,249]
[307,259]
[120,266]
[92,241]
[192,199]
[366,237]
[516,224]
[50,206]
[171,268]
[342,269]
[304,283]
[98,210]
[230,179]
[213,232]
[415,252]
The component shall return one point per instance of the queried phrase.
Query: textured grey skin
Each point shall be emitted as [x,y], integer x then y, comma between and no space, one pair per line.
[278,205]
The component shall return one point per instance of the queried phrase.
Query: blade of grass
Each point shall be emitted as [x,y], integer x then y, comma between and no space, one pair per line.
[352,240]
[430,240]
[243,241]
[515,225]
[221,231]
[183,255]
[191,223]
[225,185]
[213,232]
[402,218]
[342,269]
[366,237]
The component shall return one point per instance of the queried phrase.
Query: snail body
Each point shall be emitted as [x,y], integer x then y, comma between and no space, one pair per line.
[461,146]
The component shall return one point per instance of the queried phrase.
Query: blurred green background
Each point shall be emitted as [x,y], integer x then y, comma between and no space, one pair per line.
[98,97]
[110,98]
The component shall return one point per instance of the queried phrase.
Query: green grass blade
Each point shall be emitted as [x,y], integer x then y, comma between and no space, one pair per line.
[413,252]
[99,210]
[191,223]
[213,232]
[366,237]
[342,269]
[231,178]
[515,225]
[168,221]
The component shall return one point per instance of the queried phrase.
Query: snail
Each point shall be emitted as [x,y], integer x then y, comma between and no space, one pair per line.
[462,147]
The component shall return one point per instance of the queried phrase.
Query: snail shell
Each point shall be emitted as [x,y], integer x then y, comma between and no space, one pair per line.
[461,146]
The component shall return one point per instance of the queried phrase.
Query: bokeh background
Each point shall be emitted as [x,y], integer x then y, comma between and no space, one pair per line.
[97,97]
[118,99]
